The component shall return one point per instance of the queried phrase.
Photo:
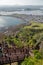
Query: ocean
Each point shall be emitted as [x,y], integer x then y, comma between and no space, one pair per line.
[29,10]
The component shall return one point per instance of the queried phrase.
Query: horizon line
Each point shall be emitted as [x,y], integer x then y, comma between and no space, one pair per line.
[21,5]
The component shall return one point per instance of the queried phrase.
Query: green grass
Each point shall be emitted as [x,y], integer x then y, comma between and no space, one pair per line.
[29,35]
[35,25]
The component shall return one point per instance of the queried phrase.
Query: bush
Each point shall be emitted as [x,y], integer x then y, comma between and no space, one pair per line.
[38,56]
[28,61]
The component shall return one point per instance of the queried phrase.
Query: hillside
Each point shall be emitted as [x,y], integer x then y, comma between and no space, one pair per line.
[29,35]
[28,41]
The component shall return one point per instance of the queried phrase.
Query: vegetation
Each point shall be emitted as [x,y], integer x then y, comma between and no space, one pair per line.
[31,35]
[36,60]
[32,61]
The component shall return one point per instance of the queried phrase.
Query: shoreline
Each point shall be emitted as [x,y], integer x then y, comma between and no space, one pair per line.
[26,18]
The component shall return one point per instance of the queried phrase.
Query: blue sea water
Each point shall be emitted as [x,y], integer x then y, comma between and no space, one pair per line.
[9,21]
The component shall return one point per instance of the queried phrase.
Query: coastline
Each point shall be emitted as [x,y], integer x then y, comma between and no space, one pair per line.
[26,18]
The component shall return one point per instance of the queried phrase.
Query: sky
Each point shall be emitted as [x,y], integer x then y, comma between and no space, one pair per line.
[21,2]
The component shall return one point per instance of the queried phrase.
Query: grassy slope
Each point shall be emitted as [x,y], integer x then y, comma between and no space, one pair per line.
[29,35]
